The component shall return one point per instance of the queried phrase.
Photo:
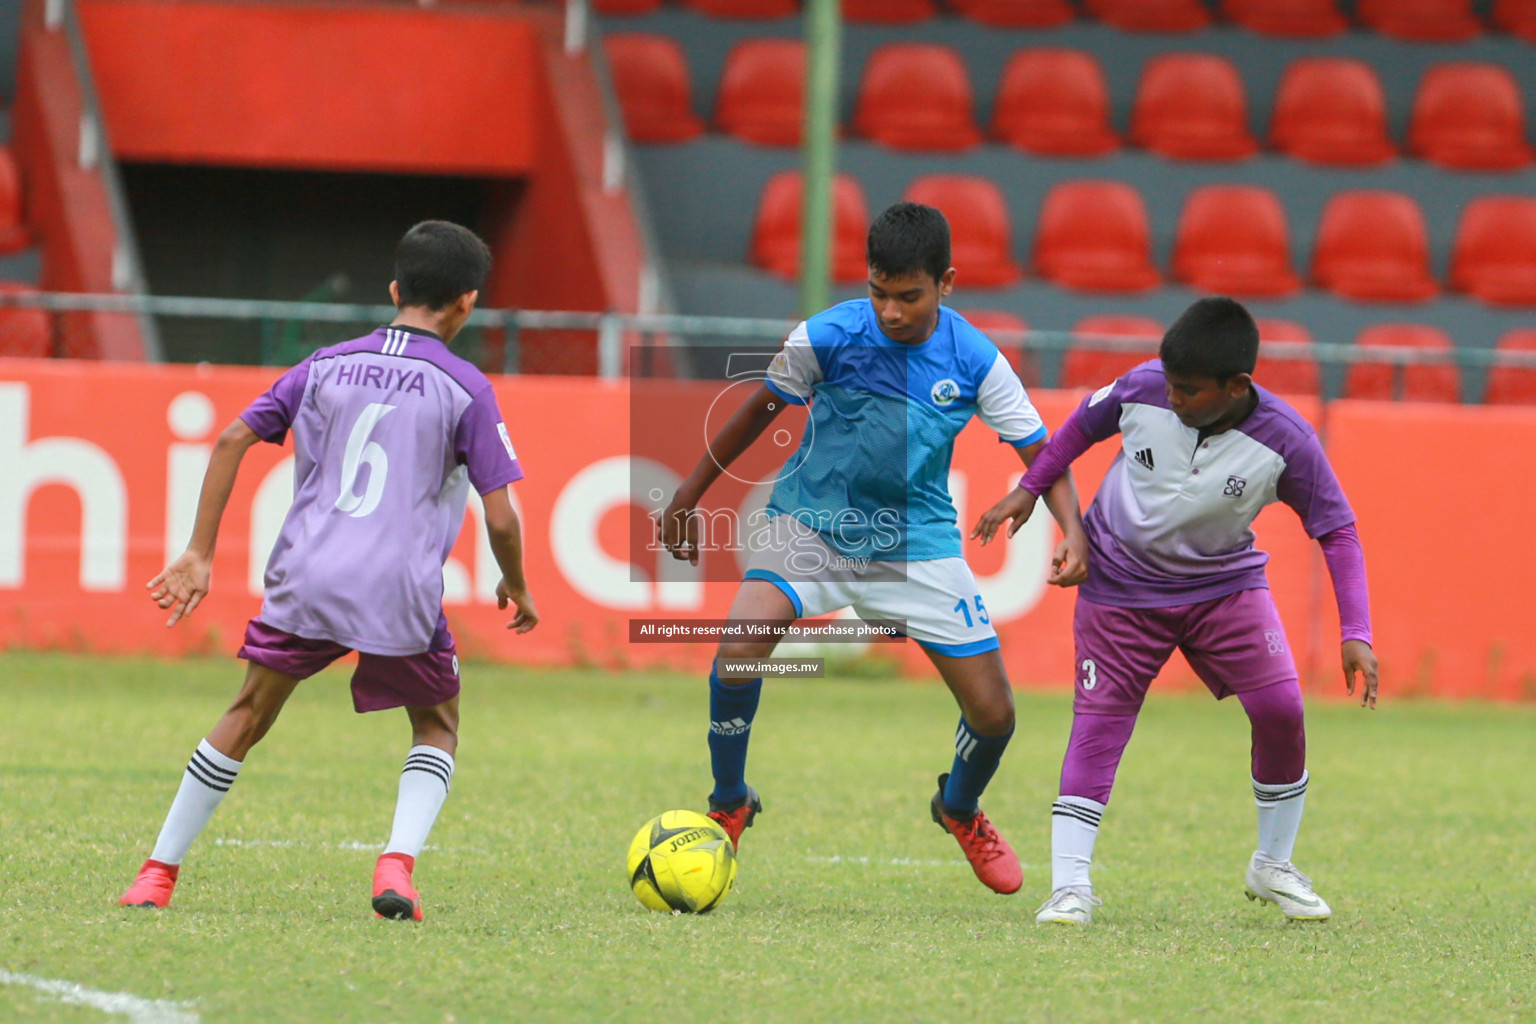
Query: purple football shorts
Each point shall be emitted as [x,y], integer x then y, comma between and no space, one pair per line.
[379,681]
[1234,643]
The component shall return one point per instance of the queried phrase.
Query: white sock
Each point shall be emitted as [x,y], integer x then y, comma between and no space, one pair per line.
[423,788]
[208,777]
[1280,808]
[1074,827]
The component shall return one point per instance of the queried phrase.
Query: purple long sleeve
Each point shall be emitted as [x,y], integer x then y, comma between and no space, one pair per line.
[1059,453]
[1346,564]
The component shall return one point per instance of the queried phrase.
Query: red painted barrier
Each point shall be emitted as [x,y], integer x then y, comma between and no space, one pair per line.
[102,464]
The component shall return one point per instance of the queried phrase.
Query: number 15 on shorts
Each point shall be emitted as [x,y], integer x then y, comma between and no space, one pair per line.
[963,607]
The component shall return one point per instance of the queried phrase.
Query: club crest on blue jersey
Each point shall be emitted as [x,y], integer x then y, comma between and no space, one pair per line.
[945,392]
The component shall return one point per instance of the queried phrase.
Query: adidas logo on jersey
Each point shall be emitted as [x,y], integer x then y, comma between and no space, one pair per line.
[1145,458]
[735,727]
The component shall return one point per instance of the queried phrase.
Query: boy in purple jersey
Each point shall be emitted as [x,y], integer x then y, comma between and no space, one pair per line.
[1203,450]
[389,432]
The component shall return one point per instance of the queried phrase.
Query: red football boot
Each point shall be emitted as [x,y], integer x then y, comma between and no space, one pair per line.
[393,894]
[152,887]
[990,855]
[736,817]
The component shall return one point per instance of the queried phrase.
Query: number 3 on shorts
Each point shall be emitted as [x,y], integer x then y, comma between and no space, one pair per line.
[981,612]
[1090,674]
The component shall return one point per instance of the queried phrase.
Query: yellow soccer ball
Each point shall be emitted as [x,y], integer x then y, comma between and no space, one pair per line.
[681,862]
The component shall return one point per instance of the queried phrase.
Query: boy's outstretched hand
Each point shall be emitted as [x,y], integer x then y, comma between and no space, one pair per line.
[1358,657]
[181,586]
[1018,506]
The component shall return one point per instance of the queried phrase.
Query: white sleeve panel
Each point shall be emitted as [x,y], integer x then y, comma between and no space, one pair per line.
[1004,407]
[795,370]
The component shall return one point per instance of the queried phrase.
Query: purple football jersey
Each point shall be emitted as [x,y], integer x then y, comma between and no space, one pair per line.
[389,432]
[1172,521]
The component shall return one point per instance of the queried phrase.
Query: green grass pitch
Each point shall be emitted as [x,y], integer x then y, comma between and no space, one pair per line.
[850,906]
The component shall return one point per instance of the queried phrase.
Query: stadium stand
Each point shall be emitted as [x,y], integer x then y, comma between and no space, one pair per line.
[1517,17]
[753,9]
[1513,385]
[776,239]
[888,12]
[1420,382]
[650,76]
[1087,366]
[1054,102]
[1094,236]
[1151,15]
[1003,328]
[1372,245]
[981,239]
[762,92]
[1495,254]
[1291,375]
[14,235]
[1330,110]
[24,332]
[936,116]
[1191,106]
[1421,21]
[1016,13]
[625,7]
[1233,240]
[1288,19]
[1469,116]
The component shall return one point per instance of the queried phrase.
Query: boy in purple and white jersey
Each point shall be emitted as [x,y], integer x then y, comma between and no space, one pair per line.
[389,433]
[1173,565]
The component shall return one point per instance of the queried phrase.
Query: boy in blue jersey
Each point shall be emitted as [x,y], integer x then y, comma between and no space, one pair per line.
[1203,449]
[862,517]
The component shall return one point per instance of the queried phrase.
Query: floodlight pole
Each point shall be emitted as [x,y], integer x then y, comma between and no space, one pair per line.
[823,46]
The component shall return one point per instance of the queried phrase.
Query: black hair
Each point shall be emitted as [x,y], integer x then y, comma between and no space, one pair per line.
[1215,338]
[437,261]
[908,237]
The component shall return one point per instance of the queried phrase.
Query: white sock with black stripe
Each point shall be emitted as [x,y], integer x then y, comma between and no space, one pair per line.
[424,785]
[1074,827]
[208,777]
[1280,808]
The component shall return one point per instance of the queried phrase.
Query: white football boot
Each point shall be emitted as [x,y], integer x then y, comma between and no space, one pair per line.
[1072,904]
[1279,882]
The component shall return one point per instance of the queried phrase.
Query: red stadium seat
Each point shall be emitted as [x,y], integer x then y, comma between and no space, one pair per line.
[24,332]
[1151,15]
[776,235]
[13,233]
[1290,19]
[650,77]
[893,111]
[1291,374]
[1419,382]
[980,238]
[1233,240]
[1421,21]
[745,8]
[1085,366]
[1016,13]
[888,12]
[1517,17]
[762,92]
[623,7]
[1514,385]
[1494,257]
[1004,330]
[1372,245]
[1191,106]
[1053,102]
[1470,116]
[1094,236]
[1330,110]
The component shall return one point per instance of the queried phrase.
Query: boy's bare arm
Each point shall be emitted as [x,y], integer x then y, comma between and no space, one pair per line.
[679,530]
[505,531]
[182,585]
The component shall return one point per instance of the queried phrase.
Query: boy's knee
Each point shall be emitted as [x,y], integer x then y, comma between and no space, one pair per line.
[993,717]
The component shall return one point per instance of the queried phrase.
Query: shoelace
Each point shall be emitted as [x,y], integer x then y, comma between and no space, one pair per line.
[979,832]
[1293,871]
[1058,898]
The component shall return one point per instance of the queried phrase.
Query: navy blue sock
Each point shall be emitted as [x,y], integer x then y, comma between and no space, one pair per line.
[976,758]
[731,710]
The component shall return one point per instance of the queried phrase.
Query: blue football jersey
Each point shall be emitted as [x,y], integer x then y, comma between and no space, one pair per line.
[871,474]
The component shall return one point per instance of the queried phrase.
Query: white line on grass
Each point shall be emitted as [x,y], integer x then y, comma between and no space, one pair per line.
[904,862]
[349,844]
[137,1010]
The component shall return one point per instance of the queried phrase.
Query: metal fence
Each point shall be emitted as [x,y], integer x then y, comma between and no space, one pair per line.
[275,333]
